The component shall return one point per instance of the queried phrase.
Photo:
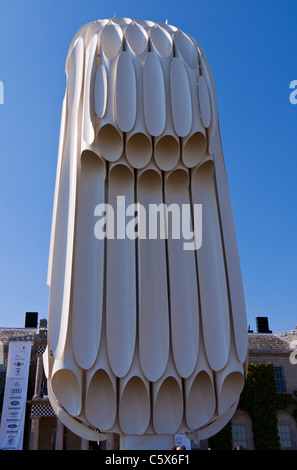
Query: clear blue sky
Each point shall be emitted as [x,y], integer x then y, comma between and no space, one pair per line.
[252,49]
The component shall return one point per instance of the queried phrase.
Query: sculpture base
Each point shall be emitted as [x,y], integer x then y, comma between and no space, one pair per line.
[147,442]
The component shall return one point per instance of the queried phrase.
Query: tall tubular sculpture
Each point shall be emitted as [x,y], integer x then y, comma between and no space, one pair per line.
[144,337]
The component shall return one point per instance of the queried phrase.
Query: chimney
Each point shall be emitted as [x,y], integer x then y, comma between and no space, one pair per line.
[31,320]
[262,325]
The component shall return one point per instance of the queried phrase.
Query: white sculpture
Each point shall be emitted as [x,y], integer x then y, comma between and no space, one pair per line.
[145,338]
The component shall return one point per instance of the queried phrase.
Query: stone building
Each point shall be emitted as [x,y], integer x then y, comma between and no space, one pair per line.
[43,431]
[280,349]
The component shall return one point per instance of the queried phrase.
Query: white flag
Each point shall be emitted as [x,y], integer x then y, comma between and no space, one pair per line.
[15,396]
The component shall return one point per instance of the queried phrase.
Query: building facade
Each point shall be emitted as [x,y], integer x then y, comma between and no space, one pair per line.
[280,349]
[43,431]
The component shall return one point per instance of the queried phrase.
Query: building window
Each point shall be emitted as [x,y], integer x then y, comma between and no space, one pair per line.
[239,435]
[284,432]
[280,379]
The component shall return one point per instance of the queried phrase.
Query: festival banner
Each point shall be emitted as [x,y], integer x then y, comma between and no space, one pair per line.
[15,396]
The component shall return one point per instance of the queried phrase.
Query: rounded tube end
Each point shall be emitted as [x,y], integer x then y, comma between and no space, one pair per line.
[138,150]
[167,152]
[194,149]
[110,142]
[66,388]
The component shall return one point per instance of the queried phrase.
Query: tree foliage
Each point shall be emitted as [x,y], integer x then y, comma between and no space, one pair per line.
[260,399]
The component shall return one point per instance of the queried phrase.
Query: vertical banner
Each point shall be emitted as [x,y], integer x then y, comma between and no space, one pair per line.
[15,396]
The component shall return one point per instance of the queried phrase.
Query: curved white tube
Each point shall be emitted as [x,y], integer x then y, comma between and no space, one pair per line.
[146,24]
[168,414]
[169,28]
[199,391]
[134,400]
[63,127]
[212,128]
[204,102]
[59,297]
[125,92]
[180,97]
[154,101]
[86,31]
[77,427]
[47,360]
[76,424]
[215,425]
[88,111]
[166,145]
[237,301]
[138,146]
[66,380]
[211,269]
[110,138]
[88,273]
[121,21]
[153,316]
[120,273]
[101,389]
[100,91]
[229,381]
[184,307]
[193,145]
[101,401]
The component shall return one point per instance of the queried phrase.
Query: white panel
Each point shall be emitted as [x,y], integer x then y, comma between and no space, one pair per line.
[138,140]
[186,49]
[152,279]
[180,98]
[194,145]
[100,92]
[204,102]
[154,95]
[101,401]
[88,104]
[232,257]
[134,400]
[211,268]
[125,92]
[161,41]
[88,272]
[111,41]
[120,277]
[213,127]
[67,380]
[136,39]
[229,383]
[199,389]
[77,427]
[59,298]
[63,126]
[167,414]
[101,389]
[184,306]
[110,138]
[167,147]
